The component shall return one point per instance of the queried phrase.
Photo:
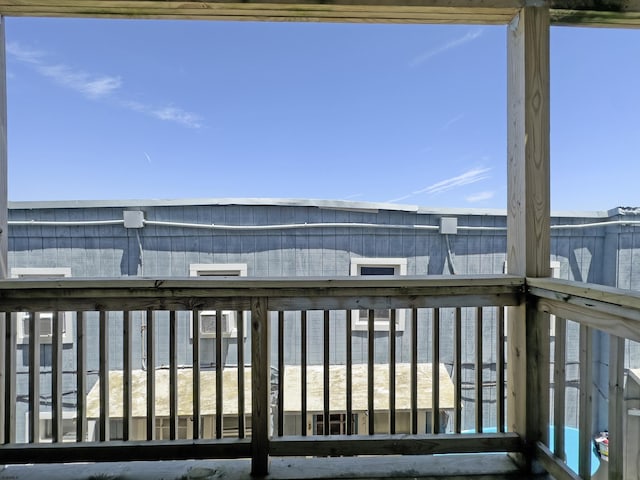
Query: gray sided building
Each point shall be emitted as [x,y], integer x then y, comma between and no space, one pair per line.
[295,238]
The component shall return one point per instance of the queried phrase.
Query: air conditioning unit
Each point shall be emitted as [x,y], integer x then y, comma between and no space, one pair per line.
[208,323]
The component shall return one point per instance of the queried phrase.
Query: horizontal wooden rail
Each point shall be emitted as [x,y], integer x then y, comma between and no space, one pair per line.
[283,294]
[119,451]
[611,310]
[405,444]
[554,465]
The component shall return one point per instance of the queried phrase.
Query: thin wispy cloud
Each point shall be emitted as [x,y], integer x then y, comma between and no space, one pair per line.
[88,85]
[400,199]
[467,178]
[94,87]
[24,54]
[456,42]
[480,196]
[471,176]
[91,86]
[169,113]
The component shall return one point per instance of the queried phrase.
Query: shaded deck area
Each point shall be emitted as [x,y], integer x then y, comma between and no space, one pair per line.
[419,468]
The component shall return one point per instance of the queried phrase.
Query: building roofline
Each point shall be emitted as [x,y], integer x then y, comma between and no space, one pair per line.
[298,202]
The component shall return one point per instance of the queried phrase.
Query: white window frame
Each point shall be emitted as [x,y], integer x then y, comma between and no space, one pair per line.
[219,270]
[68,419]
[66,317]
[400,269]
[184,430]
[338,419]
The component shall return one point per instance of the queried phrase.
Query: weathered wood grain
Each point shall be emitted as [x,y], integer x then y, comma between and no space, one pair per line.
[4,211]
[595,315]
[565,289]
[151,372]
[500,387]
[103,367]
[404,444]
[219,382]
[127,365]
[585,426]
[119,451]
[195,362]
[479,337]
[559,390]
[413,11]
[528,216]
[617,412]
[173,376]
[260,387]
[81,376]
[9,417]
[554,465]
[563,12]
[56,377]
[302,294]
[34,379]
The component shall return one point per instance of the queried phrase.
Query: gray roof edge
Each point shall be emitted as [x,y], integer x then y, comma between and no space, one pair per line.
[294,202]
[132,203]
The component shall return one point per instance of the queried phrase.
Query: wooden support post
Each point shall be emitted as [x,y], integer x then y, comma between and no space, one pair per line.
[528,222]
[81,377]
[4,215]
[585,420]
[9,417]
[103,367]
[127,392]
[34,378]
[4,209]
[173,376]
[56,377]
[260,387]
[616,407]
[195,359]
[151,376]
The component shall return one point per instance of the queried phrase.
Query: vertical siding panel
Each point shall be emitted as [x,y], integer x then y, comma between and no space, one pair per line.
[163,265]
[178,257]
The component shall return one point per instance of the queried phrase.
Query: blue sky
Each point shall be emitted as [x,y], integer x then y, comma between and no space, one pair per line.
[412,114]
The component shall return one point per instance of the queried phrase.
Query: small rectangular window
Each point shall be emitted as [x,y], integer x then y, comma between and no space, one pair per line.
[337,424]
[163,428]
[24,319]
[208,318]
[378,266]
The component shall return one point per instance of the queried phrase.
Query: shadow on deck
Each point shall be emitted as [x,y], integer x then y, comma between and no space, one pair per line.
[495,466]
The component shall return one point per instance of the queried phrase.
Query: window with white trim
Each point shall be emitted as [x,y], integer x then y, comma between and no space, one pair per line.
[378,266]
[337,424]
[163,428]
[208,318]
[46,427]
[23,319]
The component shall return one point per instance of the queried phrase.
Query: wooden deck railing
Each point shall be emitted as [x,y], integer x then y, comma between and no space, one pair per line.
[593,308]
[274,388]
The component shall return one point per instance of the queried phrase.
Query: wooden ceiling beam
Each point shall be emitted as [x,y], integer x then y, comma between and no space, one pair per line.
[592,13]
[496,12]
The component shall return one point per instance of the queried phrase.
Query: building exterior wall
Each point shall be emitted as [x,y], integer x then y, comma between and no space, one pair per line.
[606,255]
